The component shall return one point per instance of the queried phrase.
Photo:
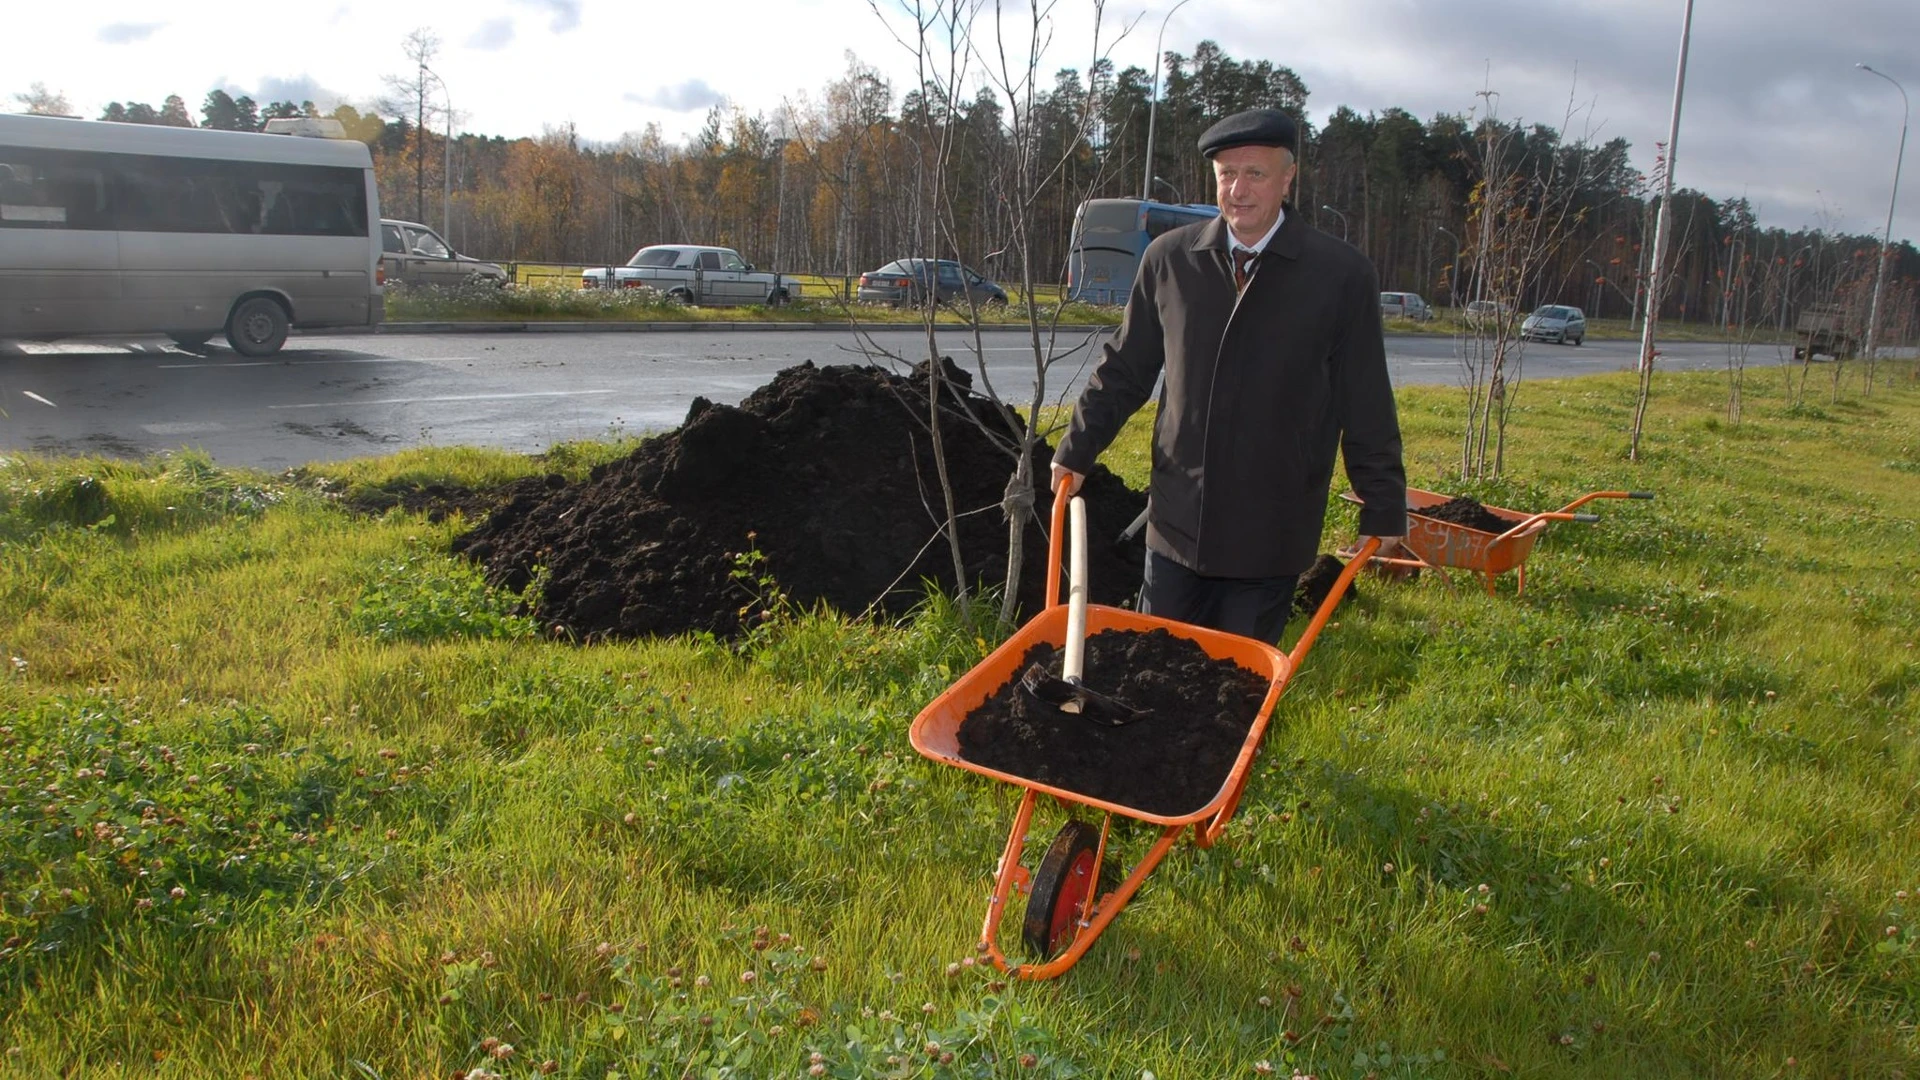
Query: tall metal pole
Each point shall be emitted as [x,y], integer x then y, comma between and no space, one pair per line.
[1338,214]
[446,163]
[1886,238]
[1649,329]
[1453,279]
[446,171]
[1153,102]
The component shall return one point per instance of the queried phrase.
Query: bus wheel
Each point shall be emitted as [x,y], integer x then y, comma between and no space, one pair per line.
[257,327]
[190,341]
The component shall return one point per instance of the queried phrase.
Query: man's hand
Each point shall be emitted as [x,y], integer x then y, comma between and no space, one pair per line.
[1072,479]
[1388,544]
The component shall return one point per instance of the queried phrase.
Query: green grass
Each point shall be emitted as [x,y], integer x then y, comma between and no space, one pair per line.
[284,791]
[559,301]
[821,286]
[1448,322]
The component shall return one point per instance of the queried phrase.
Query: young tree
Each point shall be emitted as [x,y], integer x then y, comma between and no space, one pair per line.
[416,93]
[1524,209]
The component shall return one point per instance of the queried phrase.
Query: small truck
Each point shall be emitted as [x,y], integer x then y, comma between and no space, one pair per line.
[1825,330]
[693,274]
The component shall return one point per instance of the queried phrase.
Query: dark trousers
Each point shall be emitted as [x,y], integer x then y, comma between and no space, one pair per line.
[1251,607]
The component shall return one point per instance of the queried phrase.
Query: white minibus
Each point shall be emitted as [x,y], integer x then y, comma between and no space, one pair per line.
[109,230]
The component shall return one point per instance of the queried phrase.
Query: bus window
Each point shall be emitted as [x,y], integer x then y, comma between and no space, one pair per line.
[1109,237]
[51,190]
[1165,221]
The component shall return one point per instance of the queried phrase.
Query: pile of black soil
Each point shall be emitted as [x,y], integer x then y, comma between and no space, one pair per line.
[829,474]
[1172,762]
[1314,585]
[1464,511]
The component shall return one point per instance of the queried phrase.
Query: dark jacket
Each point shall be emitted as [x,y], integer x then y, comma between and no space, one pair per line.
[1258,397]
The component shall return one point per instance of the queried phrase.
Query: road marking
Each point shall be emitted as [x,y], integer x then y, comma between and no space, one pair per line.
[306,363]
[434,400]
[185,427]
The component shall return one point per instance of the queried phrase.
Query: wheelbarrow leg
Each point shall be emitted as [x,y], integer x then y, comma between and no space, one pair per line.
[1090,922]
[1103,915]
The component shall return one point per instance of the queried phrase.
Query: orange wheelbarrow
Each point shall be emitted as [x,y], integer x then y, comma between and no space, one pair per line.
[1437,545]
[1066,910]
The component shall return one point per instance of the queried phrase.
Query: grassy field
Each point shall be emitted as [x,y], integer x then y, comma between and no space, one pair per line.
[566,301]
[813,286]
[286,791]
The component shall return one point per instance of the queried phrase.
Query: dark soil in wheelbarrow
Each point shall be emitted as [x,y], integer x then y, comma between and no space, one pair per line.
[827,473]
[1170,762]
[1465,511]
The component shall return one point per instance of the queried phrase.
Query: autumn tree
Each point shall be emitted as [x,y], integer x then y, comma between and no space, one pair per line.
[39,101]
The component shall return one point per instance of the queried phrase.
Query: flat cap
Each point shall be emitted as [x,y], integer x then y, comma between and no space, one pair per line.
[1254,127]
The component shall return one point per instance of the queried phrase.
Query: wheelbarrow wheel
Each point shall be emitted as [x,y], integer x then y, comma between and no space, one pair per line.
[1067,874]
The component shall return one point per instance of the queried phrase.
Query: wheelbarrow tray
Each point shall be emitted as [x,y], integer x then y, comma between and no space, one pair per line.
[1443,543]
[936,731]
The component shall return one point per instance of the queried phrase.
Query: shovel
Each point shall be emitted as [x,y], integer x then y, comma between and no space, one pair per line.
[1068,693]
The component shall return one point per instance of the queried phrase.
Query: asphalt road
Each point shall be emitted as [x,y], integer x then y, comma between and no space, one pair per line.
[328,398]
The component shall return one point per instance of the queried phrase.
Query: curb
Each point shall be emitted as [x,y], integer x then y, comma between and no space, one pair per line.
[546,327]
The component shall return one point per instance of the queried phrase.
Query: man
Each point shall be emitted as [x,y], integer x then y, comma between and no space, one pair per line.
[1268,332]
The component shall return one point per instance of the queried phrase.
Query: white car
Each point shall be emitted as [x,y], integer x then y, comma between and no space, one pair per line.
[693,274]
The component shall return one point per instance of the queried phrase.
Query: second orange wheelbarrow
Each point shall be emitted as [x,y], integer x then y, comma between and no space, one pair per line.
[1435,544]
[1066,909]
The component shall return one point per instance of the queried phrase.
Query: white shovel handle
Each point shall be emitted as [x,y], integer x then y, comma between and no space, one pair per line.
[1071,664]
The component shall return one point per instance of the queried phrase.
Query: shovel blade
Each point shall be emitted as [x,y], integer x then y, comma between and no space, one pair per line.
[1073,697]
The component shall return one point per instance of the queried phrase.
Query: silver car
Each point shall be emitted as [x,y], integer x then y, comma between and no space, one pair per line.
[413,254]
[1404,305]
[1557,323]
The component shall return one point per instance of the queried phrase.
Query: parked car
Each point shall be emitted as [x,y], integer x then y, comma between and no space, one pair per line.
[908,281]
[412,254]
[1557,323]
[1404,305]
[696,274]
[1484,310]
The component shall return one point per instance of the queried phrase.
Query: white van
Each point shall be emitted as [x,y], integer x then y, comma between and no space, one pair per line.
[120,229]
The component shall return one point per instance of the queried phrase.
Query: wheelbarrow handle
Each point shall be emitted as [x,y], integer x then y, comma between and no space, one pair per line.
[1585,517]
[1592,495]
[1056,537]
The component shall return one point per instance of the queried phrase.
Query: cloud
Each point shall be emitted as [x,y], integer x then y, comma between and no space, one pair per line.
[127,33]
[297,89]
[492,34]
[566,13]
[694,95]
[1772,109]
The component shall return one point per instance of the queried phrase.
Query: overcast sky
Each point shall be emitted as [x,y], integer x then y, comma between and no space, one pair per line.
[1774,108]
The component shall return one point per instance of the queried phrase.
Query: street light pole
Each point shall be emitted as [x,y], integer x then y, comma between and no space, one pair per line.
[446,161]
[1341,216]
[1153,101]
[1886,238]
[1650,329]
[1453,280]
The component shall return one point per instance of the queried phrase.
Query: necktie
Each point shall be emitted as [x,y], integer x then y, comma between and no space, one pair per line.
[1242,267]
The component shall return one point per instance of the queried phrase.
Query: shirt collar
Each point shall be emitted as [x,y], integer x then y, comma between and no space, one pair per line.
[1234,244]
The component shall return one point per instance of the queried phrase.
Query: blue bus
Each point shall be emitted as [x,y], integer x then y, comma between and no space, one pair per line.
[1109,236]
